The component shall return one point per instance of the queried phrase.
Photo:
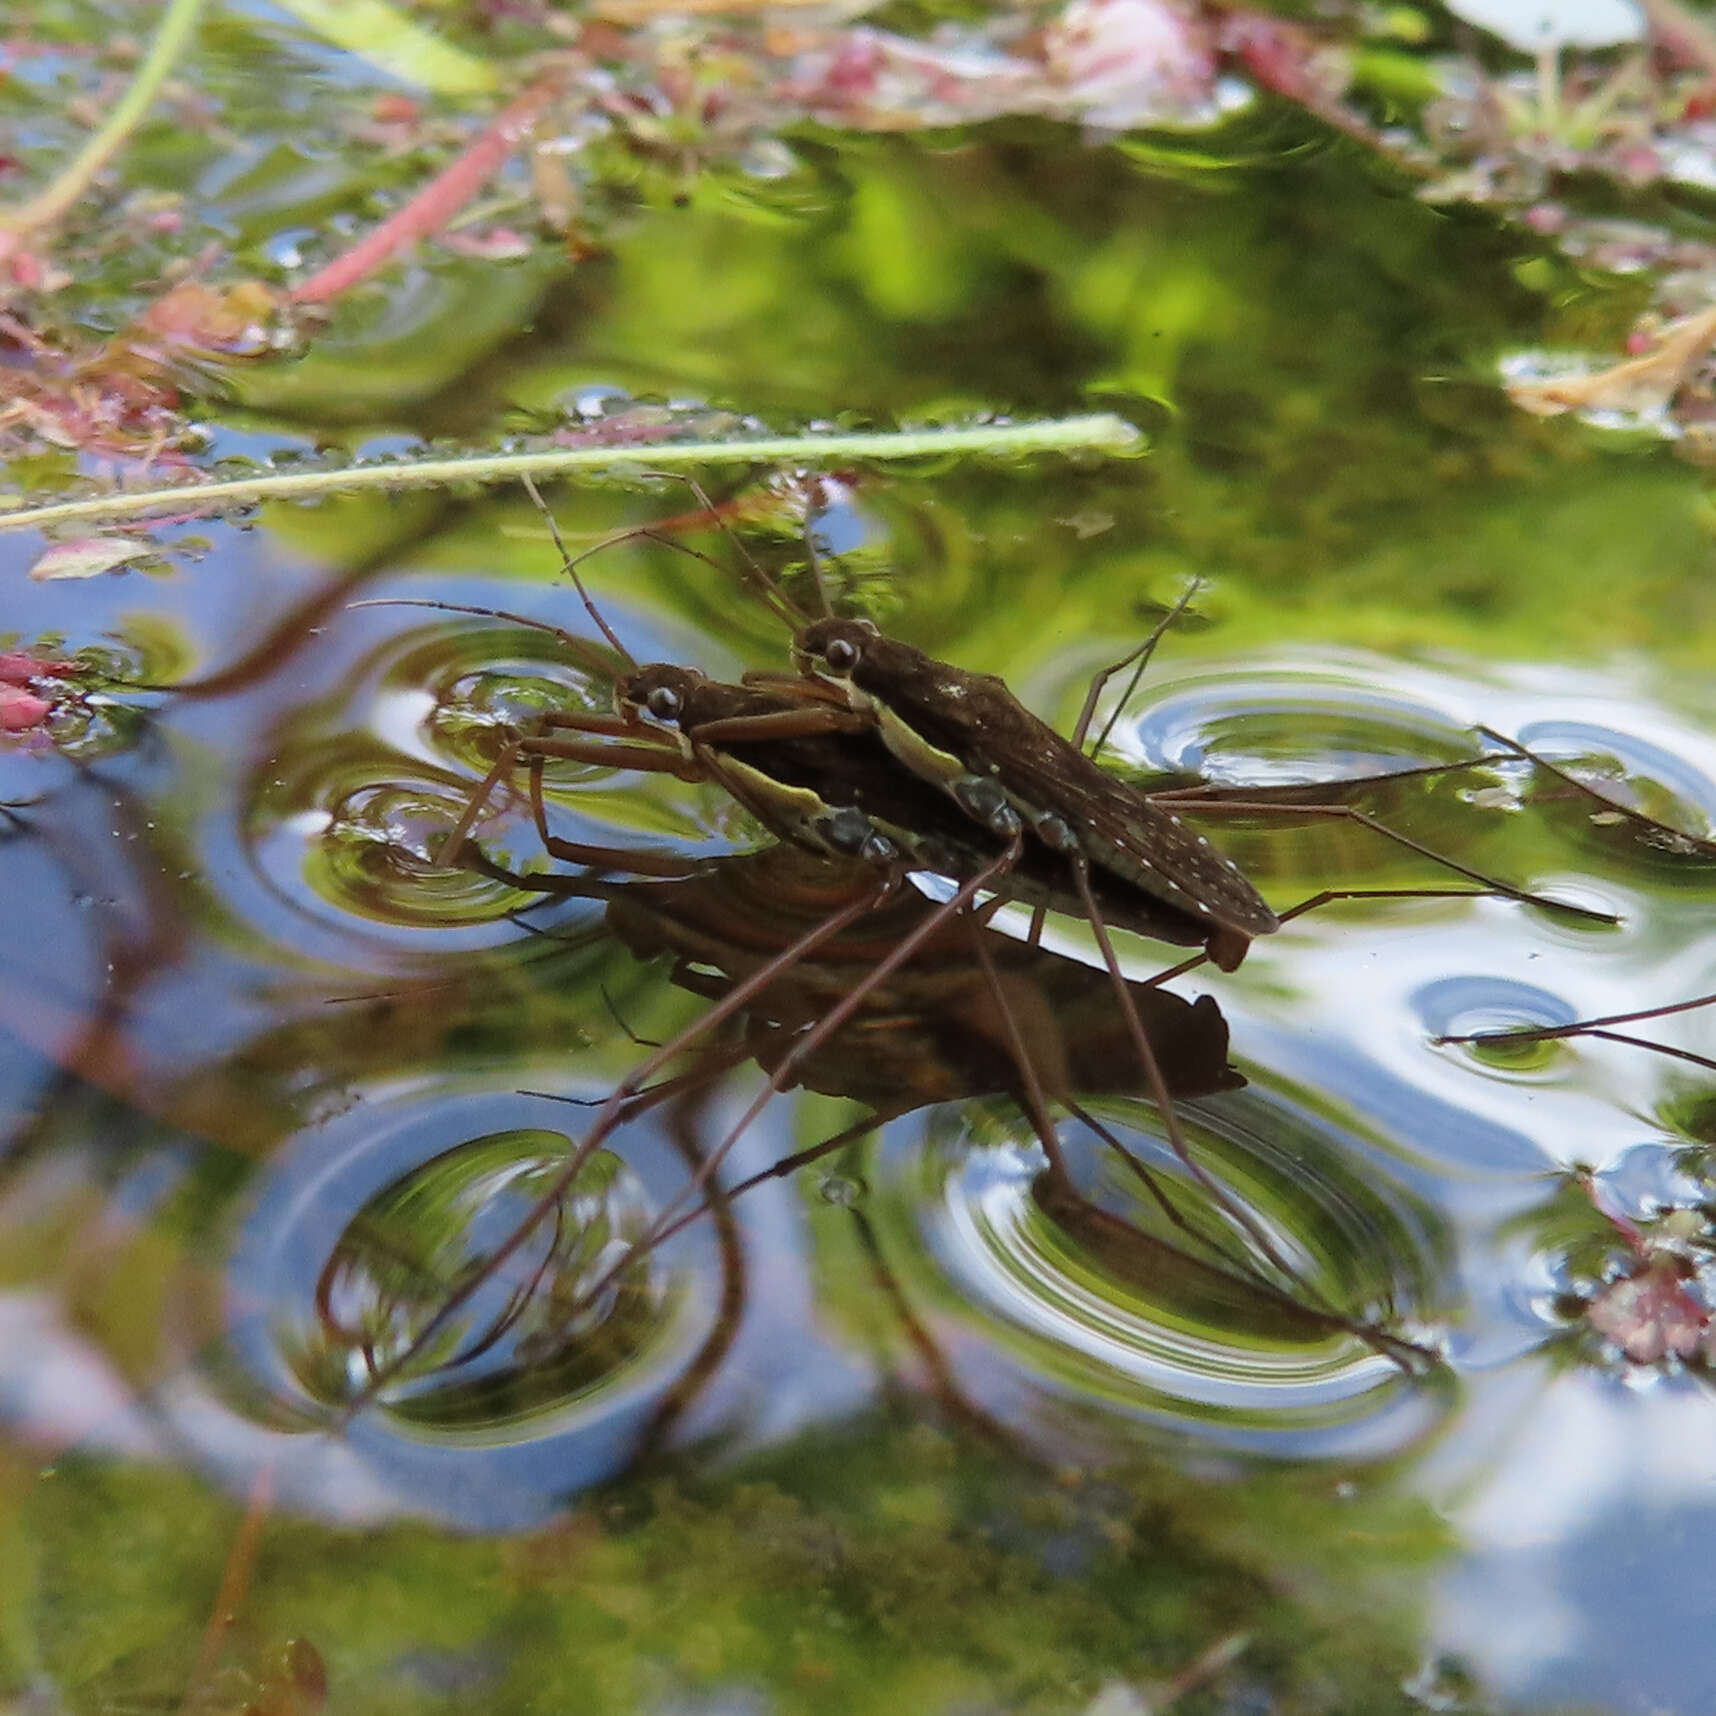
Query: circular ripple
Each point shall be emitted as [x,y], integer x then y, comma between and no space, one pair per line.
[349,835]
[1289,1331]
[347,817]
[549,1371]
[1467,1006]
[554,1325]
[482,683]
[1277,729]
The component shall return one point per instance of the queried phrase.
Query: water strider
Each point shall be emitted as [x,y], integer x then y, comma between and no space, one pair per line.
[810,772]
[823,776]
[1128,856]
[1006,768]
[811,769]
[1011,773]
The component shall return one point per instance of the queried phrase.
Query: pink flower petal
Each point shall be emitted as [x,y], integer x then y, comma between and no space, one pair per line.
[21,710]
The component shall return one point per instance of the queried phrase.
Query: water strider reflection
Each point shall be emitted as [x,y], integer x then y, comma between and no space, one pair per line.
[587,1351]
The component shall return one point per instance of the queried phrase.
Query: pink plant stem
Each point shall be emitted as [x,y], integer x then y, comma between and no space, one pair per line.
[442,198]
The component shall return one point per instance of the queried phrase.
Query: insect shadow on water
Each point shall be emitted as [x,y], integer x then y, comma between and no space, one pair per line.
[975,1012]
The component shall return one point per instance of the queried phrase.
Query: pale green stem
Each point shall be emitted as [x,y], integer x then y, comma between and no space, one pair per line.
[1549,88]
[1096,434]
[76,178]
[392,42]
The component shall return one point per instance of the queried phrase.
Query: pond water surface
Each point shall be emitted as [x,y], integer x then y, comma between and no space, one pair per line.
[919,1427]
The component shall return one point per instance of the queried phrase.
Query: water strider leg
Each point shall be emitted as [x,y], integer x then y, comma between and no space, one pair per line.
[1294,792]
[1258,807]
[1138,660]
[1031,1097]
[451,848]
[1153,1073]
[1598,1028]
[534,749]
[538,746]
[716,1061]
[1636,817]
[815,718]
[811,1041]
[1326,897]
[635,860]
[859,1128]
[1149,1181]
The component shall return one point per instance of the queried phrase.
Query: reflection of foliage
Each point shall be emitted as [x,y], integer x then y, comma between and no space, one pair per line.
[1023,272]
[1691,1112]
[1323,480]
[1314,349]
[69,704]
[878,1571]
[1640,1283]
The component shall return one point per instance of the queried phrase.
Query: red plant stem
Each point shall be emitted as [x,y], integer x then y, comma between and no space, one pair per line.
[435,205]
[234,1582]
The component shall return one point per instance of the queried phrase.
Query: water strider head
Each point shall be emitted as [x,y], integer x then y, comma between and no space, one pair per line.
[784,783]
[662,697]
[835,650]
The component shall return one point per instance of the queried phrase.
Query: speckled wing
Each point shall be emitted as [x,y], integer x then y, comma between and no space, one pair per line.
[976,718]
[1121,831]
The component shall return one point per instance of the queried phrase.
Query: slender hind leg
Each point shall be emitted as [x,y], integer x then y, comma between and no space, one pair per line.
[1323,898]
[1159,1092]
[1263,807]
[601,747]
[606,1122]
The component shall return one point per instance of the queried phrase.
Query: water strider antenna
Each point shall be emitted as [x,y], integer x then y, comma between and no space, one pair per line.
[815,560]
[775,599]
[569,565]
[565,637]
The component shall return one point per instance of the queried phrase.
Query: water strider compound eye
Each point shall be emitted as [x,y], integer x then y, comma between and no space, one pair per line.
[663,703]
[841,655]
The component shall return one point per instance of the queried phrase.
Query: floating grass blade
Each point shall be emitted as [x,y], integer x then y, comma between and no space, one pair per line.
[1102,433]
